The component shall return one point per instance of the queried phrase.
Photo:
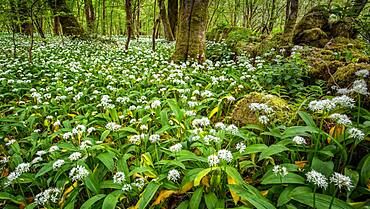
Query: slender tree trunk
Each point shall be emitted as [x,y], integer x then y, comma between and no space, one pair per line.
[173,13]
[56,28]
[291,14]
[14,14]
[90,16]
[138,23]
[104,17]
[69,23]
[190,43]
[111,21]
[154,24]
[272,17]
[24,18]
[128,22]
[164,19]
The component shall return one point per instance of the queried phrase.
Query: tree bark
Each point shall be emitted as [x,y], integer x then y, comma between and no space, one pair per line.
[69,23]
[356,9]
[173,13]
[190,43]
[128,22]
[104,17]
[90,16]
[14,20]
[56,28]
[164,19]
[24,18]
[291,14]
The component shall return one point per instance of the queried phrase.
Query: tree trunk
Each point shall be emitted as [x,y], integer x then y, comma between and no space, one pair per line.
[128,22]
[56,28]
[291,14]
[14,17]
[356,9]
[24,18]
[69,23]
[90,16]
[173,13]
[190,43]
[164,19]
[104,17]
[272,18]
[138,23]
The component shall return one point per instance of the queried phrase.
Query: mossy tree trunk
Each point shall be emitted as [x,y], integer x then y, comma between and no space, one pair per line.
[173,12]
[190,42]
[14,17]
[291,14]
[356,9]
[90,16]
[164,19]
[69,23]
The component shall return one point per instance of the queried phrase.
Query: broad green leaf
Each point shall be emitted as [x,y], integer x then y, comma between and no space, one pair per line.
[46,168]
[307,119]
[104,135]
[148,194]
[107,159]
[326,168]
[196,198]
[92,184]
[290,178]
[183,205]
[252,195]
[284,197]
[322,201]
[365,170]
[7,196]
[90,202]
[272,150]
[110,201]
[255,148]
[211,200]
[354,176]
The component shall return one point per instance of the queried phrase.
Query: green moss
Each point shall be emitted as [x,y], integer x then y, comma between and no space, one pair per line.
[242,115]
[345,75]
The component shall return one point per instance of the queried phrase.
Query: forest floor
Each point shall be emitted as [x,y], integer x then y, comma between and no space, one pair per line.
[90,125]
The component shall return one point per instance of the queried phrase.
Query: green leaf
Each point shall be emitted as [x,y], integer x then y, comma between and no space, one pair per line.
[92,184]
[107,159]
[104,135]
[255,148]
[111,200]
[252,195]
[46,168]
[201,175]
[31,206]
[183,205]
[284,197]
[196,198]
[211,200]
[365,170]
[290,178]
[325,168]
[129,129]
[272,150]
[234,174]
[354,176]
[148,194]
[7,196]
[307,119]
[301,195]
[90,202]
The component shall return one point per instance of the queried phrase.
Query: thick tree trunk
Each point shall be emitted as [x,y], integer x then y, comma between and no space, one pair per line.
[291,14]
[173,13]
[164,19]
[69,23]
[24,18]
[90,16]
[190,43]
[128,22]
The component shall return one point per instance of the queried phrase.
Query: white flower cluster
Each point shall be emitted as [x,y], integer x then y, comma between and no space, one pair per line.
[341,181]
[74,156]
[155,104]
[355,133]
[213,160]
[112,126]
[210,138]
[280,170]
[362,73]
[135,139]
[154,138]
[360,87]
[78,173]
[341,119]
[19,170]
[173,175]
[328,105]
[241,147]
[299,140]
[225,155]
[317,179]
[202,122]
[176,148]
[261,108]
[57,164]
[119,178]
[47,196]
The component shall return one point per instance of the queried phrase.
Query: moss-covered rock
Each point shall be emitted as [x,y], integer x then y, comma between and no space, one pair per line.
[345,75]
[312,37]
[243,115]
[343,28]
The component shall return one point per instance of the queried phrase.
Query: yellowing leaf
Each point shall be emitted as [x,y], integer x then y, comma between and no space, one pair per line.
[72,115]
[163,195]
[301,164]
[264,193]
[186,187]
[213,112]
[205,181]
[235,197]
[66,192]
